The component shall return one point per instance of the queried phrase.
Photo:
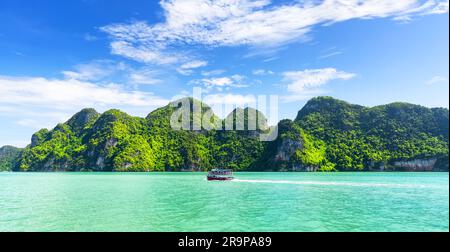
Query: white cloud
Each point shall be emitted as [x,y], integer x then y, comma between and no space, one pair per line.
[194,64]
[67,93]
[144,77]
[303,84]
[271,59]
[142,53]
[437,79]
[40,101]
[105,70]
[262,72]
[213,72]
[429,7]
[94,70]
[299,81]
[187,68]
[220,83]
[258,23]
[440,8]
[329,54]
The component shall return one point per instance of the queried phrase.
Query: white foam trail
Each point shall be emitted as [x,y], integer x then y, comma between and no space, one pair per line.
[322,183]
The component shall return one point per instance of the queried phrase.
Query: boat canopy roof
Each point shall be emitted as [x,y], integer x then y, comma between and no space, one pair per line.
[222,170]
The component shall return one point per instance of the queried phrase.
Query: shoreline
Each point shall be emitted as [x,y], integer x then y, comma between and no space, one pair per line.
[199,172]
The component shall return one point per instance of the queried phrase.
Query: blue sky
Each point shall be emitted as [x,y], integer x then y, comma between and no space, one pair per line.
[57,57]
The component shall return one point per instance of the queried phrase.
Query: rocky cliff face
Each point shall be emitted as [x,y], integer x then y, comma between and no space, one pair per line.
[416,165]
[293,150]
[287,149]
[413,165]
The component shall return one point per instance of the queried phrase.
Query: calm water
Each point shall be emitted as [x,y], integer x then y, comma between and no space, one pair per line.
[254,202]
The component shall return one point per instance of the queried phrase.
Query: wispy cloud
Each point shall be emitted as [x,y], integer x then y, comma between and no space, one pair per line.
[188,68]
[144,77]
[255,23]
[305,83]
[437,79]
[329,53]
[262,72]
[213,72]
[105,70]
[88,37]
[143,53]
[429,7]
[270,59]
[17,53]
[94,70]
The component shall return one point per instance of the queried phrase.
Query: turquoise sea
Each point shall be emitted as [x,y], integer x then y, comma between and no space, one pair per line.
[253,202]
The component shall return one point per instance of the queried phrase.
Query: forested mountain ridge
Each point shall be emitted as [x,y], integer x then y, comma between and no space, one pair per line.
[330,134]
[8,157]
[327,135]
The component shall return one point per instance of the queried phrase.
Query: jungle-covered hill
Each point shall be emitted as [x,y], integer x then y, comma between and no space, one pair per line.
[9,155]
[327,135]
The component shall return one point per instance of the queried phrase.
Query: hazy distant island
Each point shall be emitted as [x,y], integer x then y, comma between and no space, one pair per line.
[327,135]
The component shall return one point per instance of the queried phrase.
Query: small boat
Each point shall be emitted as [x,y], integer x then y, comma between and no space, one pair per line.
[220,174]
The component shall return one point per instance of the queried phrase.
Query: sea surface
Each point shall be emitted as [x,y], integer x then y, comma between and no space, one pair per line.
[253,202]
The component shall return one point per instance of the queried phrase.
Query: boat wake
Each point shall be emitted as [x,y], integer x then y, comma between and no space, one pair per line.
[328,183]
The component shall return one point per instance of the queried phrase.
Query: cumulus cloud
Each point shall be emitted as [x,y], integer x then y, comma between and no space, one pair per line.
[259,23]
[67,93]
[306,83]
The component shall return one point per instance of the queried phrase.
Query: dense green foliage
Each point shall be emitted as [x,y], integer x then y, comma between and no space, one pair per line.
[359,137]
[115,141]
[294,149]
[8,157]
[327,135]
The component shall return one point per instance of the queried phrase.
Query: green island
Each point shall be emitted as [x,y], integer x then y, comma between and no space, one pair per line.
[327,135]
